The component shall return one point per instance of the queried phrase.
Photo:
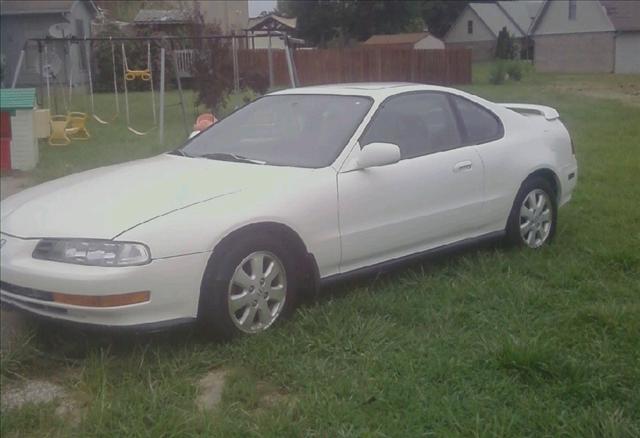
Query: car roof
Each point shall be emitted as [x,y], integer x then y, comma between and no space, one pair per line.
[376,90]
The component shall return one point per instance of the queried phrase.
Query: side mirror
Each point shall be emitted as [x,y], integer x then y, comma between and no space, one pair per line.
[193,134]
[378,154]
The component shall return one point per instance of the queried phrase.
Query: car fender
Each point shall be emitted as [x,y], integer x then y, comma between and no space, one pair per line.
[307,206]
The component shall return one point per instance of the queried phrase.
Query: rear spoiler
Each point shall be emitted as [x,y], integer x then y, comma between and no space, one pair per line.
[546,111]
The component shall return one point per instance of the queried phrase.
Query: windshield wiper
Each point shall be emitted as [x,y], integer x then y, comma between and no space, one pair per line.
[227,156]
[179,152]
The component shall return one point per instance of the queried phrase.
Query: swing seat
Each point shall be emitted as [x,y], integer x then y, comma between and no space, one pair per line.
[77,126]
[59,134]
[131,75]
[105,122]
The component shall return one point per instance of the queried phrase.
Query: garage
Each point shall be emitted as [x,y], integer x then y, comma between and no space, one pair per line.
[627,57]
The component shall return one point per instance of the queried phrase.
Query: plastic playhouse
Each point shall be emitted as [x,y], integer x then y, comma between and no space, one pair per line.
[19,145]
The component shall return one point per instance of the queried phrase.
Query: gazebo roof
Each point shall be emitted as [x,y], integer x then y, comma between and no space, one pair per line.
[272,22]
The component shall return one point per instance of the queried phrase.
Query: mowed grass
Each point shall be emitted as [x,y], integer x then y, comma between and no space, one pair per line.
[490,341]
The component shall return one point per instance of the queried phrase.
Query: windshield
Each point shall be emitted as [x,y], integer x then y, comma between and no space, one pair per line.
[287,130]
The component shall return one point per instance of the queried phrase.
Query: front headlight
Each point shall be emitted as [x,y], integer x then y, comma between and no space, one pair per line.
[92,252]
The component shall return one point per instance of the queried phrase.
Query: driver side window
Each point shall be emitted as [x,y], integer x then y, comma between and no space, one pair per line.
[419,123]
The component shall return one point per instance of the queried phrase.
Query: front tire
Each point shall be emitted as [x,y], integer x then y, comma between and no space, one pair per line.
[533,218]
[249,284]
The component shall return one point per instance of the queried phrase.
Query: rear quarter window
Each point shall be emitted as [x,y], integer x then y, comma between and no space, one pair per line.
[480,124]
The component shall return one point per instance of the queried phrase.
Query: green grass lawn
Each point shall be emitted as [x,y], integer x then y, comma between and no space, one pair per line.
[491,341]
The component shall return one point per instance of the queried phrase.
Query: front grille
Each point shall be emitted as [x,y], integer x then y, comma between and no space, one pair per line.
[27,292]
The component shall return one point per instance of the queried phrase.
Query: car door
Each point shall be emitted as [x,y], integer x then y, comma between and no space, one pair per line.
[429,198]
[484,129]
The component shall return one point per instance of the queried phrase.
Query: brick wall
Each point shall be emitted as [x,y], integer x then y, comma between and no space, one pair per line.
[575,53]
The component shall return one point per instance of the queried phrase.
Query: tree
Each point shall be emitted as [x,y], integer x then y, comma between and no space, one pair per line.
[505,48]
[339,22]
[328,22]
[212,64]
[439,15]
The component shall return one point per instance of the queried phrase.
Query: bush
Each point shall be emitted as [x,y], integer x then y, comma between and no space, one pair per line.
[505,48]
[256,82]
[514,70]
[498,73]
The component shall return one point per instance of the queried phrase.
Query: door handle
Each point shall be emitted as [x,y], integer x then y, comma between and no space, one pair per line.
[462,165]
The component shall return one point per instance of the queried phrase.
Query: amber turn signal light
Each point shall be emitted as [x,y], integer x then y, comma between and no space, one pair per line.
[102,300]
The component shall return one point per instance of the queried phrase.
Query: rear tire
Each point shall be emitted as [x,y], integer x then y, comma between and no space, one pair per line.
[534,215]
[249,284]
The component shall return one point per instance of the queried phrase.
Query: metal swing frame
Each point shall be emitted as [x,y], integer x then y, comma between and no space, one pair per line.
[160,119]
[95,116]
[145,75]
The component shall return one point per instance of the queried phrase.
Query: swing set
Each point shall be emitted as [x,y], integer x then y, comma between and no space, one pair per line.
[69,126]
[72,125]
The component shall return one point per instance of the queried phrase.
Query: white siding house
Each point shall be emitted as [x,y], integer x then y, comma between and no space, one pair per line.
[479,24]
[588,36]
[23,20]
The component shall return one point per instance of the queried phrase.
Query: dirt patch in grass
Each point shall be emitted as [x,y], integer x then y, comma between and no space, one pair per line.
[237,386]
[17,395]
[627,92]
[210,388]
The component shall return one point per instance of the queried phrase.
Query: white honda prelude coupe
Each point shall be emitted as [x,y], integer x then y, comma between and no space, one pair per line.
[299,188]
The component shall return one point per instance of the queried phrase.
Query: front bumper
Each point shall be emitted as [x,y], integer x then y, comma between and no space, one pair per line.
[28,283]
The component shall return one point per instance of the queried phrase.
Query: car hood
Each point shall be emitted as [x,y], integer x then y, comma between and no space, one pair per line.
[102,203]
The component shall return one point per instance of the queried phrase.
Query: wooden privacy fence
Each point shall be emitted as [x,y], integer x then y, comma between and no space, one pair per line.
[326,66]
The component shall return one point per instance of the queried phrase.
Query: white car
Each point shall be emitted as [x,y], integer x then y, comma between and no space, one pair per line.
[299,188]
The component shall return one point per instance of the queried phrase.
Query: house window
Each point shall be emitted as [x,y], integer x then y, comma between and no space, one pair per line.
[32,55]
[572,9]
[470,26]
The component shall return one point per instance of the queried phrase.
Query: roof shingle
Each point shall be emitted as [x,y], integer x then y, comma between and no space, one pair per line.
[624,15]
[398,38]
[17,98]
[12,7]
[149,16]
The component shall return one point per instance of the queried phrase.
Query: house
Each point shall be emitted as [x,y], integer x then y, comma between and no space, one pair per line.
[231,15]
[415,40]
[478,25]
[169,21]
[260,27]
[22,20]
[595,36]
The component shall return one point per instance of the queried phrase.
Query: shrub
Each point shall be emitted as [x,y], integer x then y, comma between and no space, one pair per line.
[498,73]
[505,48]
[514,70]
[256,82]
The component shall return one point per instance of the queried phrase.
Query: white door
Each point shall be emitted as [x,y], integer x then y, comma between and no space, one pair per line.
[431,197]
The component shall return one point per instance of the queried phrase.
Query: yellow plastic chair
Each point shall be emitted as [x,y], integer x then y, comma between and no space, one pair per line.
[58,135]
[78,126]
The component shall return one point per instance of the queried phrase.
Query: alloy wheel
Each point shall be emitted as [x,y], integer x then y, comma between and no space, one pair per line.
[257,292]
[536,218]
